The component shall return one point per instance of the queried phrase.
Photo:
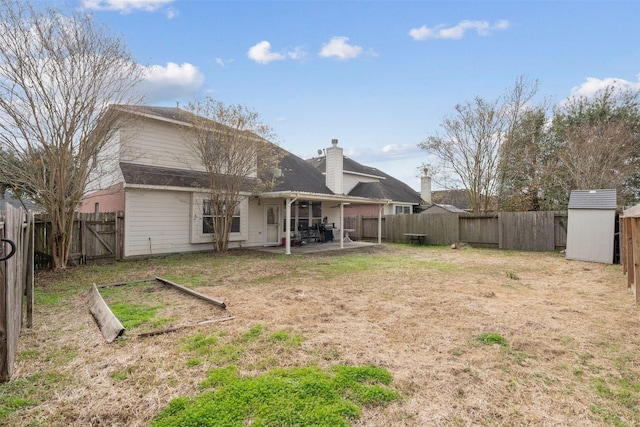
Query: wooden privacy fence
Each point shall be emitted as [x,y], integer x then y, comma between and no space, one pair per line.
[630,249]
[16,282]
[97,237]
[530,231]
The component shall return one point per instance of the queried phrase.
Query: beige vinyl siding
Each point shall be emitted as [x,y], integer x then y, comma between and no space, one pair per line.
[106,173]
[158,144]
[162,221]
[350,181]
[158,222]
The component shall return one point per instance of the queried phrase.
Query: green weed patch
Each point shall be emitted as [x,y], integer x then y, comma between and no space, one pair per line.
[297,397]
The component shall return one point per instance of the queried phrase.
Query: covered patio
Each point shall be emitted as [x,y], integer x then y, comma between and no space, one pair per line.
[340,240]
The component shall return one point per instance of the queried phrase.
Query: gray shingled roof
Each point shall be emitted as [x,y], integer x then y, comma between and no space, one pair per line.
[593,199]
[299,175]
[17,202]
[167,177]
[170,113]
[387,188]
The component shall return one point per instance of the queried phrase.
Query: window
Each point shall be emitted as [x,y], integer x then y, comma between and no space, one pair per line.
[201,222]
[403,210]
[305,214]
[207,218]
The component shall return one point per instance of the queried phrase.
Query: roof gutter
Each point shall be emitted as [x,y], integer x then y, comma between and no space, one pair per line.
[326,197]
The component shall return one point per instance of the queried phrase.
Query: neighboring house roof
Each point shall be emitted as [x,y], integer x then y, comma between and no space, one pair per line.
[593,199]
[387,187]
[17,202]
[448,208]
[457,198]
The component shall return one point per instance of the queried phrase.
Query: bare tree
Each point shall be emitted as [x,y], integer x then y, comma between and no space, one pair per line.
[234,146]
[58,73]
[598,155]
[597,143]
[469,149]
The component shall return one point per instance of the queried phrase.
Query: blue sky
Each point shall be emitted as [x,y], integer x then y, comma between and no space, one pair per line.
[380,76]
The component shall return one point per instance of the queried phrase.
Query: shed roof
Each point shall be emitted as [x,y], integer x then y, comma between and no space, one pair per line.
[593,199]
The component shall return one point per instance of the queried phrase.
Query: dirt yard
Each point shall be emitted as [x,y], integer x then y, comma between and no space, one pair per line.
[571,354]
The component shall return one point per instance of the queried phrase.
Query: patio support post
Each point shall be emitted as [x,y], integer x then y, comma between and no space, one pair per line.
[287,226]
[380,224]
[341,225]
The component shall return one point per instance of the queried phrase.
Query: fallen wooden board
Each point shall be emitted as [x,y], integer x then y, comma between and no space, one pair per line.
[192,292]
[126,283]
[187,325]
[108,323]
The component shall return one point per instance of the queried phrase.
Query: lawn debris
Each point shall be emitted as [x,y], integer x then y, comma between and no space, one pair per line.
[108,323]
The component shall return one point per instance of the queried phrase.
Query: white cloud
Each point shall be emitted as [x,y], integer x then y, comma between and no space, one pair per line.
[593,85]
[456,32]
[339,48]
[171,82]
[172,12]
[261,53]
[298,54]
[128,6]
[223,62]
[386,153]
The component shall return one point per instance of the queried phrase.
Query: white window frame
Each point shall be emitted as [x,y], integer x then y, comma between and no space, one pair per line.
[197,219]
[405,209]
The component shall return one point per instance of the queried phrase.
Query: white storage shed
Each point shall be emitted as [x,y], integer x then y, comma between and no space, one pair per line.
[591,225]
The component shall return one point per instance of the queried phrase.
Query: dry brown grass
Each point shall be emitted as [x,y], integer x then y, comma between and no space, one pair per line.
[569,327]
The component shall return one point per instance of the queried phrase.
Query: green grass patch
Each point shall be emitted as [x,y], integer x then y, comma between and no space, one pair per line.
[297,397]
[284,337]
[491,338]
[25,392]
[253,333]
[200,344]
[132,315]
[62,355]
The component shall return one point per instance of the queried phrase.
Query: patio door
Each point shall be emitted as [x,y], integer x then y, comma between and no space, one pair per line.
[272,213]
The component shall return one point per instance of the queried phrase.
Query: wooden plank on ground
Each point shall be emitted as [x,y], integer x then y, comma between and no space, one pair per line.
[108,323]
[192,292]
[126,283]
[189,325]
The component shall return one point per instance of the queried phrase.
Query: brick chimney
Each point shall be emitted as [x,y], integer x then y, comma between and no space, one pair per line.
[425,189]
[334,168]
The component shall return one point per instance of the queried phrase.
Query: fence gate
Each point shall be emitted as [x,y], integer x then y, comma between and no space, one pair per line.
[16,279]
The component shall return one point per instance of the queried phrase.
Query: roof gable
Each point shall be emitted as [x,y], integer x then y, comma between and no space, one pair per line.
[387,187]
